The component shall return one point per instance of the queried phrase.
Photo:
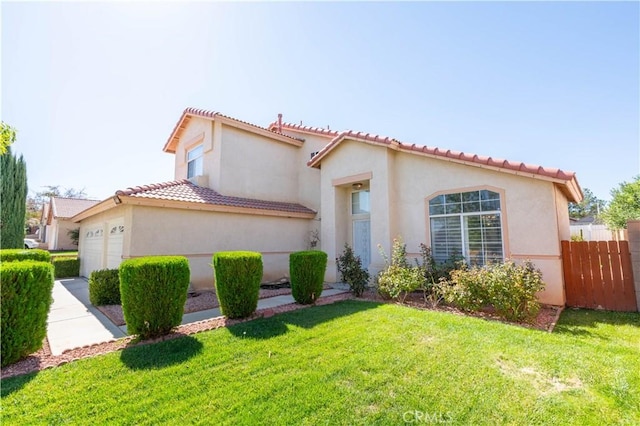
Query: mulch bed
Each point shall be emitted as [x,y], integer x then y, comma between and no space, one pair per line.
[546,321]
[200,301]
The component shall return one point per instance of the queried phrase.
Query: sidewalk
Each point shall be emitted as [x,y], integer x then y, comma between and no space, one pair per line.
[74,322]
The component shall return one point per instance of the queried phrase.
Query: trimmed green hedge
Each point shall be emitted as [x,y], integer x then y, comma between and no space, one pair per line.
[237,281]
[26,298]
[104,287]
[64,267]
[17,255]
[153,292]
[307,270]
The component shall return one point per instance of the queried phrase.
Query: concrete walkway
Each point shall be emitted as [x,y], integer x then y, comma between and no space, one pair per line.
[74,322]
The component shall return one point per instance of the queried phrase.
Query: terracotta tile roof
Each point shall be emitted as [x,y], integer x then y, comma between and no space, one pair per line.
[184,190]
[442,153]
[182,123]
[304,129]
[65,208]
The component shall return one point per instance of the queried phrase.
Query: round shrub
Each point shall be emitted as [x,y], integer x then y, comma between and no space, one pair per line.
[153,291]
[17,255]
[307,270]
[237,282]
[26,299]
[104,287]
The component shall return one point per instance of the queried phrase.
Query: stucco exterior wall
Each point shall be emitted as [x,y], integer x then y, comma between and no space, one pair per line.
[199,131]
[533,212]
[258,167]
[198,235]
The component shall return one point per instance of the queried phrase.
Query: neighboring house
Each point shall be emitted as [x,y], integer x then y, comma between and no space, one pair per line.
[243,187]
[56,221]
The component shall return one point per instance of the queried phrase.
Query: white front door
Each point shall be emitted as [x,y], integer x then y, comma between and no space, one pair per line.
[362,240]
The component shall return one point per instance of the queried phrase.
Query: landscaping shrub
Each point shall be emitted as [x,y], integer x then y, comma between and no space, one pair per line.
[104,287]
[511,289]
[66,267]
[435,272]
[307,270]
[237,281]
[352,272]
[16,255]
[26,298]
[153,291]
[467,288]
[398,278]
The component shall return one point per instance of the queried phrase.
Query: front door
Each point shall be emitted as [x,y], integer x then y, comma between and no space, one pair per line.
[362,240]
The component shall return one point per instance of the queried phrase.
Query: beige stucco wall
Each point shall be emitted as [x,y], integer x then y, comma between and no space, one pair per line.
[532,214]
[198,235]
[58,237]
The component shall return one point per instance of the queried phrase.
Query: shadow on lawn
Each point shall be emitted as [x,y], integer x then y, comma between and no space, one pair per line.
[14,384]
[266,328]
[163,354]
[582,322]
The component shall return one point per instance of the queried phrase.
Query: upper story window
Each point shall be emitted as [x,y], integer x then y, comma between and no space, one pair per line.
[467,224]
[194,162]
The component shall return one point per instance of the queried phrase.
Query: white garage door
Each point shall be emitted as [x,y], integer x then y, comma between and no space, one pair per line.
[91,250]
[115,241]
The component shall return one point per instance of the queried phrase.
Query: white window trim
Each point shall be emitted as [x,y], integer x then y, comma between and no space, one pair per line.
[201,157]
[500,213]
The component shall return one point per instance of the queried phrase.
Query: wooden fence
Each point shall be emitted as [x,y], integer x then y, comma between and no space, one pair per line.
[598,275]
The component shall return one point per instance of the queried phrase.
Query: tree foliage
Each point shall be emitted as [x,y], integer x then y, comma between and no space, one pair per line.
[589,206]
[13,187]
[7,137]
[624,205]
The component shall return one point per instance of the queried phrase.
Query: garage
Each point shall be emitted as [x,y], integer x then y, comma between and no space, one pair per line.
[115,241]
[91,244]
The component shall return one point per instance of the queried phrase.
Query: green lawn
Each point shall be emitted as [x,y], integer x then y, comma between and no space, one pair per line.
[64,253]
[353,362]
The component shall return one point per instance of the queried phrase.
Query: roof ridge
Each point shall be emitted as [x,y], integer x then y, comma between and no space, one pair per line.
[149,187]
[310,129]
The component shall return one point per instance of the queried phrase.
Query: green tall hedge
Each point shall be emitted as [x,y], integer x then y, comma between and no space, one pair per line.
[17,255]
[238,275]
[307,270]
[26,298]
[66,267]
[104,287]
[153,291]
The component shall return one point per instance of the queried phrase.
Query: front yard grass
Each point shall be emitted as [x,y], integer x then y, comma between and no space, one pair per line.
[353,362]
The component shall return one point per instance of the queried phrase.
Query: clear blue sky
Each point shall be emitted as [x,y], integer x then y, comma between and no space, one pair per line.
[94,89]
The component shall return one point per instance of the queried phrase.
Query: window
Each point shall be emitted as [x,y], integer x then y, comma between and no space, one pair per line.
[194,162]
[360,202]
[467,224]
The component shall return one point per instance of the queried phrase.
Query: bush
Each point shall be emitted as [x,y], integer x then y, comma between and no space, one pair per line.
[237,281]
[398,278]
[352,272]
[17,255]
[26,299]
[104,287]
[66,267]
[511,289]
[435,272]
[307,270]
[153,291]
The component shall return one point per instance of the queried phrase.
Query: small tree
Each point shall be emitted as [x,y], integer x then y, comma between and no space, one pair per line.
[352,271]
[13,189]
[74,234]
[624,205]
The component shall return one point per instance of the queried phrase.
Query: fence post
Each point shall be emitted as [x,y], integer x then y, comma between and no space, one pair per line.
[633,229]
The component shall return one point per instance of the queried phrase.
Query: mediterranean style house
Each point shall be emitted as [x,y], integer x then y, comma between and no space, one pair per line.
[288,187]
[55,222]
